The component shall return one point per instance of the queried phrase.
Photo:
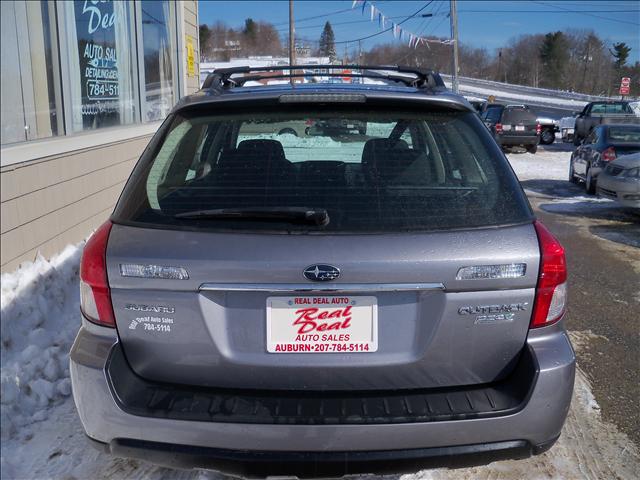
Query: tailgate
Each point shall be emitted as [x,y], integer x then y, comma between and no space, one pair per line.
[431,329]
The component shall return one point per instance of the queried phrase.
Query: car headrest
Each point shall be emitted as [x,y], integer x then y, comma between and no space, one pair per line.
[268,149]
[383,158]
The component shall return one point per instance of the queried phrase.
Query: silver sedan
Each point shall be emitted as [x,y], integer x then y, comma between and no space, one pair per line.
[620,180]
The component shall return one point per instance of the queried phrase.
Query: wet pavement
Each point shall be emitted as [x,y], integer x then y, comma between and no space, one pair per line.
[602,241]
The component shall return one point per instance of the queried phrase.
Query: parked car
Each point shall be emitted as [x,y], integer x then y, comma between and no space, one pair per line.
[548,129]
[620,180]
[339,126]
[298,128]
[380,304]
[478,103]
[567,128]
[602,146]
[513,126]
[602,113]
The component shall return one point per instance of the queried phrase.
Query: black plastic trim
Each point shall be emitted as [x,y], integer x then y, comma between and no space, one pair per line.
[259,464]
[138,396]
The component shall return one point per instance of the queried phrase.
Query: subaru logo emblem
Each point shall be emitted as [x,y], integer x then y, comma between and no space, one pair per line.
[321,273]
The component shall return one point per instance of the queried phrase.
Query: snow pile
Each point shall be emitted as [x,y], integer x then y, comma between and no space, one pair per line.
[544,165]
[40,305]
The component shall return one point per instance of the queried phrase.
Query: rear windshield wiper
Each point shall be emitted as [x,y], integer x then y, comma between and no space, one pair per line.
[305,215]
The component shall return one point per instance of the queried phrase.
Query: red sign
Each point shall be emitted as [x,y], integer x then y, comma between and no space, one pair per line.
[625,82]
[624,90]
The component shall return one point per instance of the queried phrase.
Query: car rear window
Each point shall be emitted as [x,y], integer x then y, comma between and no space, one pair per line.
[518,115]
[372,171]
[629,134]
[607,108]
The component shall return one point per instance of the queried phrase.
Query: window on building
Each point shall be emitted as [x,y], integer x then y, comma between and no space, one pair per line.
[97,42]
[31,107]
[79,65]
[158,47]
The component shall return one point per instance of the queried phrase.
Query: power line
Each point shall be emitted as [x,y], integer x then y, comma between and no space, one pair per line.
[404,57]
[587,14]
[350,22]
[547,12]
[315,16]
[388,29]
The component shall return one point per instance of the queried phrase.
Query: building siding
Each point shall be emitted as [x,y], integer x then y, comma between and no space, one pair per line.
[190,22]
[52,201]
[49,203]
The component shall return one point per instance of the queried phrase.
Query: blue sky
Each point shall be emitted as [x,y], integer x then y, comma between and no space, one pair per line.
[482,23]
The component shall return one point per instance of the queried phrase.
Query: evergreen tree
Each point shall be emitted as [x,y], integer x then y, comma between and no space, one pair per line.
[328,43]
[205,35]
[250,28]
[554,54]
[621,54]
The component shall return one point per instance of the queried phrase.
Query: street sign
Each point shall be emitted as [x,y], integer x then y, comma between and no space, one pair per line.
[625,86]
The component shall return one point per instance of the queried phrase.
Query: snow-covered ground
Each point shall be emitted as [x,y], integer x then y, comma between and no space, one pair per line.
[42,436]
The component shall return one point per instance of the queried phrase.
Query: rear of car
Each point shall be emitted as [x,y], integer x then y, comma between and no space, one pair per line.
[603,113]
[603,145]
[345,304]
[514,126]
[620,181]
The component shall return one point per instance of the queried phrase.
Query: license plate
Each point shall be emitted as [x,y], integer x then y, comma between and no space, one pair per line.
[336,324]
[570,130]
[519,128]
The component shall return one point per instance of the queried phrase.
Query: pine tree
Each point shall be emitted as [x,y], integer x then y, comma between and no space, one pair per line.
[554,54]
[328,43]
[621,54]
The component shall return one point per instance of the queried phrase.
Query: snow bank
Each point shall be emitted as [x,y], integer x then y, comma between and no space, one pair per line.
[40,305]
[556,101]
[544,165]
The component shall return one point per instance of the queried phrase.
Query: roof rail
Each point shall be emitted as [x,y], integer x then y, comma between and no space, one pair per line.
[221,78]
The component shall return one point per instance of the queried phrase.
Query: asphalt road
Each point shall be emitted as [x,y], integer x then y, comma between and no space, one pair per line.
[603,255]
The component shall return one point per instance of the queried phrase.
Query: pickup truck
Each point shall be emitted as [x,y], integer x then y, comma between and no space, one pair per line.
[599,113]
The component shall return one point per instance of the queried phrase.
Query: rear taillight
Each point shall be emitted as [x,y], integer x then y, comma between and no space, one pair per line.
[498,128]
[95,296]
[551,291]
[538,129]
[609,154]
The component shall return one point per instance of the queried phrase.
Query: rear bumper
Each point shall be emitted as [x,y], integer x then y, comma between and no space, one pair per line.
[318,464]
[515,141]
[536,424]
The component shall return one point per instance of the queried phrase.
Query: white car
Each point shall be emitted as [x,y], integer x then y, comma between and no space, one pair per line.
[567,128]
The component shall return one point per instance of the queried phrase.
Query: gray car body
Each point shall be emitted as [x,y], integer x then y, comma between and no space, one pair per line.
[613,184]
[428,341]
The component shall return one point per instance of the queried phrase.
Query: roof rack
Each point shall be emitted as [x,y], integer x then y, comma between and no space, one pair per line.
[221,78]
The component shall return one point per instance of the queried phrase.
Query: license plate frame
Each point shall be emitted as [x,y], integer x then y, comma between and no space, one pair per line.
[322,324]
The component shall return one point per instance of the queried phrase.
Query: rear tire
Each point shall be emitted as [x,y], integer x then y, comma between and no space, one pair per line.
[547,137]
[590,183]
[532,148]
[289,131]
[572,177]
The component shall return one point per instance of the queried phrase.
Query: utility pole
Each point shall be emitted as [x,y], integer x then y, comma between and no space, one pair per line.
[292,39]
[454,35]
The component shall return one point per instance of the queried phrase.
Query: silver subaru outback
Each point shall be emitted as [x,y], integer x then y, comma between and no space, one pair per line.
[334,303]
